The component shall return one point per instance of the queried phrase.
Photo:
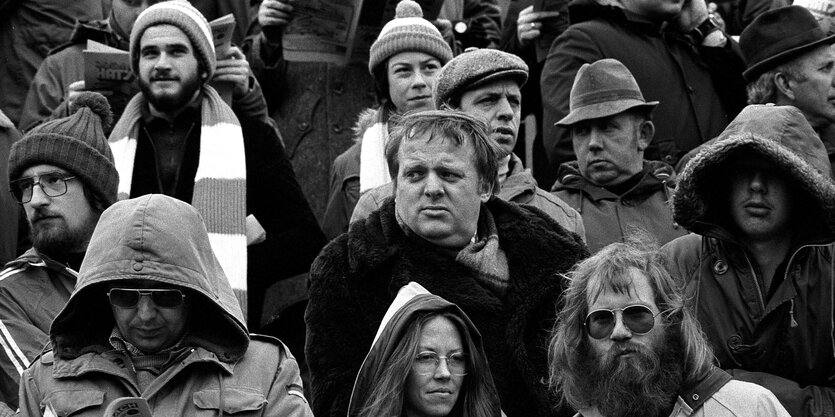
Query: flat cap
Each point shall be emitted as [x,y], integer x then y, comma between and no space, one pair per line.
[474,68]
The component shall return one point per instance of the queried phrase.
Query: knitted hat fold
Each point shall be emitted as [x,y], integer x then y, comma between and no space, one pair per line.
[184,16]
[76,143]
[408,32]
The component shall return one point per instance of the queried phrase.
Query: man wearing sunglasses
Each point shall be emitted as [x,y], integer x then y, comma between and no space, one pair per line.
[759,267]
[62,175]
[626,346]
[153,316]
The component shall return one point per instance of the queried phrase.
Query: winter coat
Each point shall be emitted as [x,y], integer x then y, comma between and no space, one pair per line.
[720,396]
[158,238]
[357,275]
[700,88]
[29,29]
[610,217]
[411,303]
[33,290]
[783,341]
[9,209]
[519,187]
[314,105]
[273,197]
[46,99]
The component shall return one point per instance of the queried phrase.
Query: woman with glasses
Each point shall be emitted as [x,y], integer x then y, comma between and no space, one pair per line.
[404,61]
[426,360]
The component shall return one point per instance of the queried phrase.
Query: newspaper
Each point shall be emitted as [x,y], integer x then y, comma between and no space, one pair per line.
[340,31]
[128,407]
[222,30]
[823,10]
[105,67]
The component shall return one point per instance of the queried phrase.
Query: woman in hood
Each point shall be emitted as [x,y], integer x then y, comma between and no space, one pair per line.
[404,61]
[426,360]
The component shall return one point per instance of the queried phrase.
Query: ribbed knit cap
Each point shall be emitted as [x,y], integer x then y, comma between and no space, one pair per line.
[76,143]
[474,68]
[408,32]
[184,16]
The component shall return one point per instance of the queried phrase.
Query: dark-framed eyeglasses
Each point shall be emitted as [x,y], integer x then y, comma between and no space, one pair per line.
[129,297]
[639,319]
[53,184]
[426,363]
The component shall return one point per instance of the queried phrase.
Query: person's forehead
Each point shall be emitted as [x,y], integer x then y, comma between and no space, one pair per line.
[499,86]
[432,145]
[42,169]
[164,35]
[631,287]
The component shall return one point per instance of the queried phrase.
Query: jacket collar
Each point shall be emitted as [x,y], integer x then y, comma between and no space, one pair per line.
[657,175]
[519,181]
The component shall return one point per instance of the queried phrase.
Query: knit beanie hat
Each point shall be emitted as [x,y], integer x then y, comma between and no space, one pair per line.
[408,31]
[475,68]
[184,16]
[76,143]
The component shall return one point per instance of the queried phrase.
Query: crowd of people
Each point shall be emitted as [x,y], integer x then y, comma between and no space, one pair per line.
[669,249]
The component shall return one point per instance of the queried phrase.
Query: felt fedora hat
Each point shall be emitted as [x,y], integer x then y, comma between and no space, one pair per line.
[777,36]
[601,89]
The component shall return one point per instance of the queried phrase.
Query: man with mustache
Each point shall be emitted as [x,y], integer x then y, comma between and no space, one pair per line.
[625,345]
[63,176]
[610,183]
[759,267]
[487,83]
[179,138]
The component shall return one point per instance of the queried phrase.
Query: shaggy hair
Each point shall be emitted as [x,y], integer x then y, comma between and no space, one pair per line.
[447,124]
[762,90]
[387,396]
[608,270]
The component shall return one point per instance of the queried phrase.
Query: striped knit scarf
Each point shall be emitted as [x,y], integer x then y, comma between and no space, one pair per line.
[219,184]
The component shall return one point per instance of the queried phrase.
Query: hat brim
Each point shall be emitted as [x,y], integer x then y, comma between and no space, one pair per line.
[604,109]
[757,69]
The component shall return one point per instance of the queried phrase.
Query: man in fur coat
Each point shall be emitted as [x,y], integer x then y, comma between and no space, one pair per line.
[500,262]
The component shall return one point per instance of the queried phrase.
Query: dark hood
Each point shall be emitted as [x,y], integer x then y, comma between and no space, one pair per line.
[779,133]
[156,238]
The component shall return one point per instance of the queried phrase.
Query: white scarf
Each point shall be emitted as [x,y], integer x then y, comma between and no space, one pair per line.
[374,169]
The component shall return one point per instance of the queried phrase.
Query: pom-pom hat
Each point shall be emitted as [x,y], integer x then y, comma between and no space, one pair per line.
[185,17]
[76,143]
[408,32]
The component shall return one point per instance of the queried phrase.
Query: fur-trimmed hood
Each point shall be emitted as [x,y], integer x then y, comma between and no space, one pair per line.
[779,133]
[157,238]
[365,120]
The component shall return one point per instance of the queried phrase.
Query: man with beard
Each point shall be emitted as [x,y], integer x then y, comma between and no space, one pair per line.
[758,267]
[63,175]
[487,83]
[625,345]
[178,138]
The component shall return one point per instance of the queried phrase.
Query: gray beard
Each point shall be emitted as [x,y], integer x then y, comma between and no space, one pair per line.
[643,385]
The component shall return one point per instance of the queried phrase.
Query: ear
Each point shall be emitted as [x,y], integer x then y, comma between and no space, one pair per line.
[486,192]
[645,134]
[783,85]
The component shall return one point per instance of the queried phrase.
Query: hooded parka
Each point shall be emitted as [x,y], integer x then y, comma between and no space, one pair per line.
[782,337]
[161,239]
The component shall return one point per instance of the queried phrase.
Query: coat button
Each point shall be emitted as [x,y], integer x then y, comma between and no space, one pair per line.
[669,159]
[303,126]
[339,90]
[137,267]
[734,342]
[336,128]
[720,267]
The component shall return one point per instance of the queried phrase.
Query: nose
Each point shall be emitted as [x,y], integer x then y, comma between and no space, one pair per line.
[434,187]
[39,197]
[442,371]
[162,61]
[145,309]
[758,182]
[504,111]
[420,81]
[595,140]
[620,332]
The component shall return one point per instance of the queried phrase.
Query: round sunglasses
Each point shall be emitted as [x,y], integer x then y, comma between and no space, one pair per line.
[639,319]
